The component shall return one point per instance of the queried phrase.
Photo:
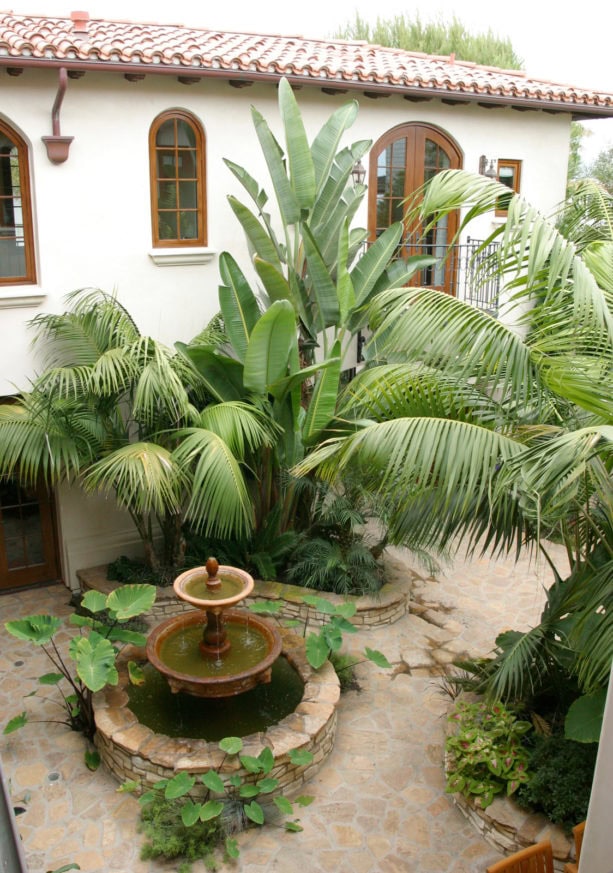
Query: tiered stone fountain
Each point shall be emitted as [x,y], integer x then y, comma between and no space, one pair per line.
[215,661]
[214,651]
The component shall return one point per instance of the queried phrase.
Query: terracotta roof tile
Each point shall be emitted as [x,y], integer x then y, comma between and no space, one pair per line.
[168,48]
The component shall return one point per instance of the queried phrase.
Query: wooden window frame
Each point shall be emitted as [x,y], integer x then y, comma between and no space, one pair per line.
[29,276]
[201,239]
[516,165]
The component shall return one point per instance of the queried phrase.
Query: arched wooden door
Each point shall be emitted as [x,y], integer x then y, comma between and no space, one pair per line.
[401,161]
[28,549]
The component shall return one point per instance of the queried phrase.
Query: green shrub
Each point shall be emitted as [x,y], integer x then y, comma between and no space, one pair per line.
[561,779]
[167,837]
[486,755]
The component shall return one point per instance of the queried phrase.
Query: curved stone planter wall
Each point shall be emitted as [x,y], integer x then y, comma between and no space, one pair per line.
[133,751]
[508,828]
[389,605]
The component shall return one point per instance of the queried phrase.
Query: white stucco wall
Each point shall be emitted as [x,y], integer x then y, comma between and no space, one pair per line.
[92,221]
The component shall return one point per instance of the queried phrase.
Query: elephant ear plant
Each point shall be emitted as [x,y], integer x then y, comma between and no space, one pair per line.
[92,651]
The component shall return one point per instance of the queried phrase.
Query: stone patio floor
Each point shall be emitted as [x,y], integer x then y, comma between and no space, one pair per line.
[379,799]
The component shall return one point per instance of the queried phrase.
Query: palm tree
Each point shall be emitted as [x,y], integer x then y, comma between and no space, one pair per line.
[497,436]
[118,412]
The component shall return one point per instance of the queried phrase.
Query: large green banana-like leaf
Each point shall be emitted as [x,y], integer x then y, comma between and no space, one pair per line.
[273,155]
[270,346]
[324,290]
[258,237]
[344,286]
[376,259]
[275,284]
[143,476]
[219,503]
[301,169]
[222,376]
[238,305]
[323,400]
[328,139]
[280,389]
[328,233]
[335,185]
[257,194]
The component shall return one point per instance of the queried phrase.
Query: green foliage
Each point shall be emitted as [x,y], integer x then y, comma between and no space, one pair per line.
[601,169]
[435,38]
[344,668]
[92,652]
[486,754]
[575,166]
[121,413]
[561,780]
[166,835]
[178,826]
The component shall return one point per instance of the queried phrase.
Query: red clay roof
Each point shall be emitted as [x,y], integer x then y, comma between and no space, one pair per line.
[153,48]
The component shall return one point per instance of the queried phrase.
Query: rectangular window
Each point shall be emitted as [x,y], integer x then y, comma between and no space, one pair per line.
[509,174]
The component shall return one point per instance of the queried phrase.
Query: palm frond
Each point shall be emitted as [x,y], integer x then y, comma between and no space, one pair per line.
[241,426]
[425,325]
[144,477]
[219,503]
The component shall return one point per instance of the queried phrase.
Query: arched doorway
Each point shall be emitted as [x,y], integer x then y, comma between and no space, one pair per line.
[401,161]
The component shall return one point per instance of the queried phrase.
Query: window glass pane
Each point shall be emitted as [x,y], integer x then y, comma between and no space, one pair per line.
[167,195]
[186,164]
[383,172]
[430,153]
[166,134]
[189,225]
[397,209]
[166,168]
[185,135]
[399,153]
[167,222]
[33,534]
[188,195]
[506,175]
[443,160]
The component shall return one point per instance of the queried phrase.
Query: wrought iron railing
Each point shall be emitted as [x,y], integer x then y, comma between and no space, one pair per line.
[477,280]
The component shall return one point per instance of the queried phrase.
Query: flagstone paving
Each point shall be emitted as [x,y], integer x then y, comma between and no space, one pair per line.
[379,802]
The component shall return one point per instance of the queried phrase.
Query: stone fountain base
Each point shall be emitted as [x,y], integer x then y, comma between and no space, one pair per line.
[132,751]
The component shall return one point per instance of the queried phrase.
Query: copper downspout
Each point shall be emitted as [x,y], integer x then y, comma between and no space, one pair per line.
[58,145]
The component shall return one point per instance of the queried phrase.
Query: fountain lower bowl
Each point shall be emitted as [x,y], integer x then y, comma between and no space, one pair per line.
[224,685]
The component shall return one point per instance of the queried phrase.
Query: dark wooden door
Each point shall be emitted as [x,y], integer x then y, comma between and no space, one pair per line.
[400,163]
[28,544]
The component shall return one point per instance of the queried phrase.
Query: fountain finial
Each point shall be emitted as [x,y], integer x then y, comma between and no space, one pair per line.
[211,567]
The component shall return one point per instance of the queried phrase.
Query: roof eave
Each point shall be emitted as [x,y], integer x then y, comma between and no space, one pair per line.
[422,92]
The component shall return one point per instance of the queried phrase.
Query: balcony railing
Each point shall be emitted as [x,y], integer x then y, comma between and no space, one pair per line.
[476,279]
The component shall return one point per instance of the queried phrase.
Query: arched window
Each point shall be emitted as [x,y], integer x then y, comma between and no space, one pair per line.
[400,162]
[17,262]
[177,162]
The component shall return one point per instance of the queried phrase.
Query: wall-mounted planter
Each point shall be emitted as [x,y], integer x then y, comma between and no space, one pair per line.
[57,147]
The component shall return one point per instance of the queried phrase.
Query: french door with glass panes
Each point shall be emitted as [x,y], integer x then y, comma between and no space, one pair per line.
[400,162]
[28,552]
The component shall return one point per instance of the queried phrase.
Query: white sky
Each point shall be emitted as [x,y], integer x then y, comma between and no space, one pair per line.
[560,42]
